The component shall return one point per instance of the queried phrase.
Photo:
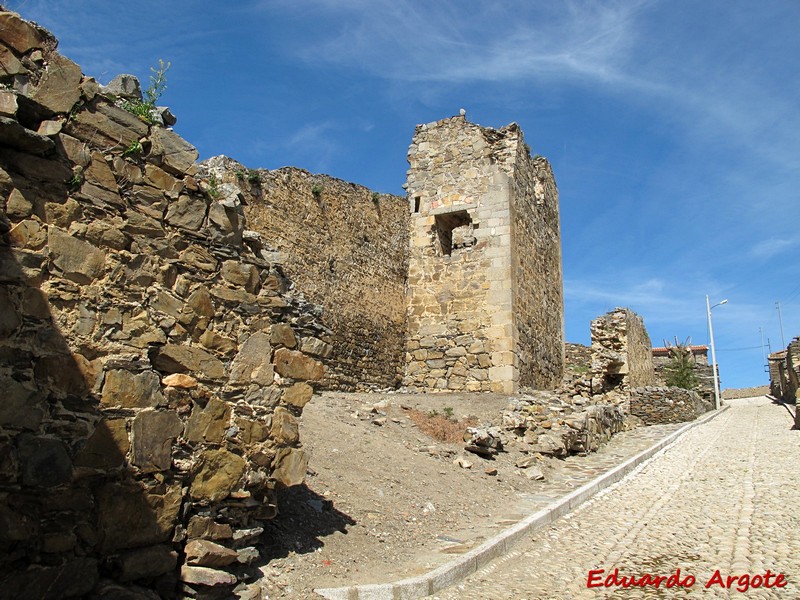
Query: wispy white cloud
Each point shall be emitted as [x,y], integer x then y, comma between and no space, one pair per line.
[654,299]
[772,247]
[315,142]
[468,42]
[624,47]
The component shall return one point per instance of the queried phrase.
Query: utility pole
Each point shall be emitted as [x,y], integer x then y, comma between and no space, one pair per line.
[763,353]
[780,320]
[713,352]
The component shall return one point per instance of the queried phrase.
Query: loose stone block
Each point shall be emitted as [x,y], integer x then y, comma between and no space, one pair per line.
[107,447]
[207,529]
[173,358]
[18,34]
[44,462]
[298,395]
[175,154]
[99,173]
[16,136]
[188,212]
[106,126]
[284,427]
[208,423]
[74,578]
[290,466]
[205,553]
[206,576]
[147,562]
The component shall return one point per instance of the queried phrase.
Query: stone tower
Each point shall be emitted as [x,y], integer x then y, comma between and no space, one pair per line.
[485,295]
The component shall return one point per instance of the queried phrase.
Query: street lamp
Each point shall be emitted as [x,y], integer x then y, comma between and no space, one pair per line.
[713,353]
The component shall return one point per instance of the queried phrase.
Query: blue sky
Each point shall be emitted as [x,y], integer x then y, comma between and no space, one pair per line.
[673,126]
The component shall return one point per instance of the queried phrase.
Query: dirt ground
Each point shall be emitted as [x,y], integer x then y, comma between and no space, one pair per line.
[383,501]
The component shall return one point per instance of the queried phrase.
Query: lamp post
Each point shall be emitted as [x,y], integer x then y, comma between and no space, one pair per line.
[713,352]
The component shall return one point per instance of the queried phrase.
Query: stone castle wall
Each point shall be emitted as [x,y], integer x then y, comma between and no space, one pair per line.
[153,360]
[536,271]
[476,320]
[622,356]
[346,248]
[656,404]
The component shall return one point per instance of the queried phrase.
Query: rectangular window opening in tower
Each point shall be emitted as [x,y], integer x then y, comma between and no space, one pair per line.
[454,231]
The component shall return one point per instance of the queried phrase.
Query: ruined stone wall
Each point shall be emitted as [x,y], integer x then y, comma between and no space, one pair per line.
[542,422]
[661,404]
[463,328]
[622,356]
[152,358]
[777,369]
[345,248]
[784,373]
[536,271]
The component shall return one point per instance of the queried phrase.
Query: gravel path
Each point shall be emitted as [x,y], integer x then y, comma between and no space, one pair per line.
[722,498]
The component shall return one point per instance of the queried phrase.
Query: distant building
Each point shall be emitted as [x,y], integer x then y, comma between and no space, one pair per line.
[700,354]
[703,370]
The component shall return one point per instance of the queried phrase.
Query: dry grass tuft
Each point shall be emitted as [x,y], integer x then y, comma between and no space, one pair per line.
[443,428]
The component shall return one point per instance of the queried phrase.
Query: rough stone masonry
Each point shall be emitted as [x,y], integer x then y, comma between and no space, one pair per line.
[622,355]
[346,249]
[485,296]
[461,291]
[154,356]
[153,360]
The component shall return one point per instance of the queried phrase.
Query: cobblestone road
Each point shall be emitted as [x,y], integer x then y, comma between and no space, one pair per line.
[724,497]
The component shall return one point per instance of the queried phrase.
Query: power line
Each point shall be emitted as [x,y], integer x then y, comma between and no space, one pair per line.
[792,294]
[737,349]
[780,320]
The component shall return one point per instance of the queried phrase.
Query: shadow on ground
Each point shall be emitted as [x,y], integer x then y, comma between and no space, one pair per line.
[304,520]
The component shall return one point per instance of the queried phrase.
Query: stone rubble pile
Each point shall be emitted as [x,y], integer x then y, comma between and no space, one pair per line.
[483,441]
[153,360]
[544,423]
[569,420]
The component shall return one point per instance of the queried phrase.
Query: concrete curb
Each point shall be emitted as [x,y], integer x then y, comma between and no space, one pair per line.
[466,564]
